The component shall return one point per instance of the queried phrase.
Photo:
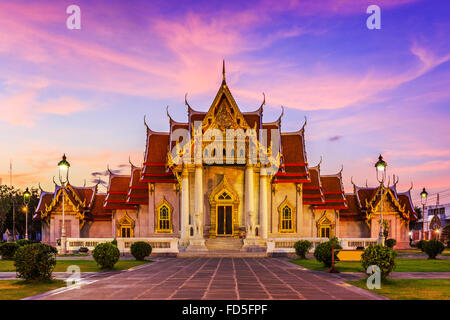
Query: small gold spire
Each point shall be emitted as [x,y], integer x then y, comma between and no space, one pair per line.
[223,71]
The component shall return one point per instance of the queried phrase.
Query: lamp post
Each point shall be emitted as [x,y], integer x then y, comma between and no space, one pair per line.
[380,167]
[423,200]
[63,166]
[26,201]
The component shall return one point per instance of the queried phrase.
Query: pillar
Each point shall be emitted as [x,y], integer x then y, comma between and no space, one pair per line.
[198,204]
[184,205]
[300,214]
[249,200]
[263,202]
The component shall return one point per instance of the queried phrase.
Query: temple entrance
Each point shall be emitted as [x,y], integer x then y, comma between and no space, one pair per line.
[224,220]
[224,204]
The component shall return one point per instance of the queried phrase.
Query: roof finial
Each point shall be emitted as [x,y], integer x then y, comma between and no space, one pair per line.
[351,180]
[411,186]
[84,183]
[367,184]
[342,169]
[129,160]
[40,188]
[107,168]
[223,71]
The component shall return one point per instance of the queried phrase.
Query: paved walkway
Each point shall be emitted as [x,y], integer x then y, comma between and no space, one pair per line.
[215,278]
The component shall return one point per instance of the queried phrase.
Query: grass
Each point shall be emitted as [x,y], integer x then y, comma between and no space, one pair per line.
[402,265]
[85,265]
[411,289]
[16,290]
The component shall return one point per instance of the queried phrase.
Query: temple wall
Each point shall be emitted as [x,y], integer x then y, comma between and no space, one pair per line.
[282,192]
[354,229]
[166,191]
[97,229]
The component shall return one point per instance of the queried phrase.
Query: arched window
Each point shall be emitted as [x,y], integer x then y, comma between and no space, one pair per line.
[125,227]
[287,217]
[224,196]
[164,217]
[325,227]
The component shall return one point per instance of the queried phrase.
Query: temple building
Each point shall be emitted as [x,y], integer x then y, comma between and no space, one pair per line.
[231,198]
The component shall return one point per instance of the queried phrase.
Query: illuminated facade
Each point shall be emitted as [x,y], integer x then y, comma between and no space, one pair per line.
[242,197]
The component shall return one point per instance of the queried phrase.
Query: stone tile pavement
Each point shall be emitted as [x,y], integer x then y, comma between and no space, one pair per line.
[217,279]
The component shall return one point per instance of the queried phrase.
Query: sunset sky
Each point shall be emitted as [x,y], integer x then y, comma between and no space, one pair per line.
[365,92]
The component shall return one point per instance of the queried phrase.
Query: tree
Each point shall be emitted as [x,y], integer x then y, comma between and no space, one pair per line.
[10,195]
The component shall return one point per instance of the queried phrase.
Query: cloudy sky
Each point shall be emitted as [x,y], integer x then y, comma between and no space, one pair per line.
[85,92]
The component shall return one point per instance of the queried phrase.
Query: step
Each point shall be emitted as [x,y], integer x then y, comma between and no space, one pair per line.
[222,254]
[220,244]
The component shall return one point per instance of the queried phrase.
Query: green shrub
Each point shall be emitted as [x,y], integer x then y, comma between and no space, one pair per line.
[8,249]
[302,247]
[381,256]
[114,242]
[106,255]
[35,261]
[432,248]
[420,244]
[322,253]
[140,250]
[391,243]
[23,242]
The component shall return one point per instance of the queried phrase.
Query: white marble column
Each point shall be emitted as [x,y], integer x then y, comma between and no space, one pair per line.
[249,200]
[300,214]
[197,242]
[198,204]
[263,202]
[184,205]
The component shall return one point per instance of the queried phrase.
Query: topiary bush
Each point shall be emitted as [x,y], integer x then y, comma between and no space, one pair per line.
[302,247]
[106,255]
[114,242]
[23,242]
[8,249]
[35,261]
[391,243]
[381,256]
[322,253]
[432,248]
[420,244]
[140,250]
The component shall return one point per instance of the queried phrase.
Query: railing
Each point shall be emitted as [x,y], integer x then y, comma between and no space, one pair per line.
[159,245]
[286,245]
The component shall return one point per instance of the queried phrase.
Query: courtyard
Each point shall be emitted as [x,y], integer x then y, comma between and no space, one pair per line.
[214,279]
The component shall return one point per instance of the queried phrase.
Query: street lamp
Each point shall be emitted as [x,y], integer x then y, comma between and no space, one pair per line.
[423,200]
[26,201]
[380,167]
[63,166]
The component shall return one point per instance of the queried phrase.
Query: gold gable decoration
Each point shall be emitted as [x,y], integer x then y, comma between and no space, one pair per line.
[76,208]
[373,206]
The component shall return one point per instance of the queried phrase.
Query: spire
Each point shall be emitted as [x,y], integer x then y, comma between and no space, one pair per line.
[223,72]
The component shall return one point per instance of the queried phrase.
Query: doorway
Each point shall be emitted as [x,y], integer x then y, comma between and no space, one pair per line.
[224,221]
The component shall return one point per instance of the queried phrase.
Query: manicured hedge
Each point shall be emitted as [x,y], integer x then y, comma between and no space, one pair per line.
[140,250]
[106,255]
[35,261]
